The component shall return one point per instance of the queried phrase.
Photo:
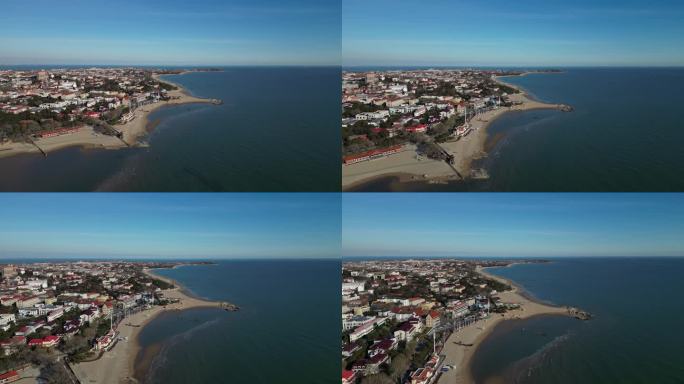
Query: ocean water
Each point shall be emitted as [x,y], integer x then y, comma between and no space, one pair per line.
[624,135]
[276,131]
[287,330]
[636,334]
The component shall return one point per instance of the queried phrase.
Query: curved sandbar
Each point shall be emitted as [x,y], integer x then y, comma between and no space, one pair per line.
[136,129]
[460,355]
[465,150]
[118,365]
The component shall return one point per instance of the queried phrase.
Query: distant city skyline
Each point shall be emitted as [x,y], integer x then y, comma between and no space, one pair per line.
[512,225]
[523,33]
[170,32]
[187,226]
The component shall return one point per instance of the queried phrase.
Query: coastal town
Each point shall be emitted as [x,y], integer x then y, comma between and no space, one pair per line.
[43,110]
[419,321]
[76,322]
[425,124]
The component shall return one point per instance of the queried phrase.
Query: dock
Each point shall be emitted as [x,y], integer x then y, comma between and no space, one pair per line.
[39,148]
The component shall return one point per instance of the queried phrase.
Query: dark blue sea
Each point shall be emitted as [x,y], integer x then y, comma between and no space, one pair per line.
[287,330]
[635,336]
[276,131]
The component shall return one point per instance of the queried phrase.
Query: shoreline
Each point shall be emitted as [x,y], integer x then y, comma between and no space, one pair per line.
[137,128]
[461,356]
[119,365]
[133,131]
[465,150]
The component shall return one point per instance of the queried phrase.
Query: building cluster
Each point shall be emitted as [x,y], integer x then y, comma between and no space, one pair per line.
[389,305]
[78,93]
[385,108]
[42,304]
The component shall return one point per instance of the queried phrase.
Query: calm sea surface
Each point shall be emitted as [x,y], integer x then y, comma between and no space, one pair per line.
[287,330]
[276,131]
[624,135]
[635,337]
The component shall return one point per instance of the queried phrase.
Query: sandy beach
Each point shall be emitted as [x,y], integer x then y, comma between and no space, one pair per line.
[465,150]
[404,163]
[136,129]
[133,131]
[459,355]
[86,137]
[117,365]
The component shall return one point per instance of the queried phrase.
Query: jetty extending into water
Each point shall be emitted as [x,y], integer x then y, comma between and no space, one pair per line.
[579,314]
[228,306]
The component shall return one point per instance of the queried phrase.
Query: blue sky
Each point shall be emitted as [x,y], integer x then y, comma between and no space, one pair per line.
[513,225]
[513,33]
[170,32]
[170,225]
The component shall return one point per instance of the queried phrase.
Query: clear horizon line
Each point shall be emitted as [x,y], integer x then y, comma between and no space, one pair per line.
[510,66]
[512,257]
[14,260]
[171,65]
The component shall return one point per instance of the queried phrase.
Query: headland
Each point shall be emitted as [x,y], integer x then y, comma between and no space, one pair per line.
[440,124]
[105,108]
[121,364]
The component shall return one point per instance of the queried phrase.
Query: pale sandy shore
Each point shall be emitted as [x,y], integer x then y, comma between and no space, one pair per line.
[459,355]
[133,131]
[117,365]
[465,150]
[136,129]
[85,137]
[405,162]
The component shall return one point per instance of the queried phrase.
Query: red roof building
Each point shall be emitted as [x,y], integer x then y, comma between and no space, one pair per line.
[382,347]
[58,132]
[417,128]
[432,319]
[349,377]
[9,377]
[10,346]
[372,154]
[46,342]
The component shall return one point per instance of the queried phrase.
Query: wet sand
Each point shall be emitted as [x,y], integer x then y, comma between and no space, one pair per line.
[137,128]
[119,364]
[460,356]
[85,137]
[403,163]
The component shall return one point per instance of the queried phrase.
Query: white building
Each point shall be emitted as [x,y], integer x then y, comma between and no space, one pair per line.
[6,320]
[354,286]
